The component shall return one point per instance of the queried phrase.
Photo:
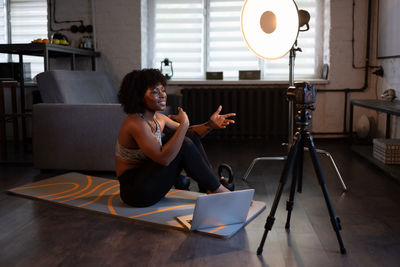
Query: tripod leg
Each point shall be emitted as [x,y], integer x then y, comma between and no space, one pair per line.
[321,179]
[335,166]
[285,174]
[300,167]
[290,201]
[256,160]
[296,174]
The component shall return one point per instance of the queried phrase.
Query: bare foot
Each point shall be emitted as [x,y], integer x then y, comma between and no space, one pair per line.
[221,189]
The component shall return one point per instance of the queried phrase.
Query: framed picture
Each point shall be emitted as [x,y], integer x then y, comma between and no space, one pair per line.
[388,29]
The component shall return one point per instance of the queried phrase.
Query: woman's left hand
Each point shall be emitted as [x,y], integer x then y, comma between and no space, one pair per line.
[218,121]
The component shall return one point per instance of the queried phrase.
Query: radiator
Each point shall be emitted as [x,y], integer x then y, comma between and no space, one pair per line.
[261,113]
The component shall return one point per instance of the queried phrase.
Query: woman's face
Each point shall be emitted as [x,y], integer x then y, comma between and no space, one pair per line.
[155,98]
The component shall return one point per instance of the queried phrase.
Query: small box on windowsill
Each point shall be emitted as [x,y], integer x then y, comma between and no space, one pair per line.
[216,75]
[249,74]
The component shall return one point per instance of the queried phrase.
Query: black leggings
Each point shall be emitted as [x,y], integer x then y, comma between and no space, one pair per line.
[146,185]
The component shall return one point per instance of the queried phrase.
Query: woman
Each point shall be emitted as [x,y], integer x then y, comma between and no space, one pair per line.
[147,168]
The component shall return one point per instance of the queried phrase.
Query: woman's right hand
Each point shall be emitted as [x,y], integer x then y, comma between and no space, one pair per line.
[181,117]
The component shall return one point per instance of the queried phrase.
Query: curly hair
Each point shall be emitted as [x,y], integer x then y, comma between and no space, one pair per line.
[134,87]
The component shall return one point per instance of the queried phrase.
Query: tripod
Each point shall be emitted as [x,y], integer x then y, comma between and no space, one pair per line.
[295,160]
[292,57]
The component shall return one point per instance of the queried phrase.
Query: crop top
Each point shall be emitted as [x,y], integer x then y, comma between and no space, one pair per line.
[136,155]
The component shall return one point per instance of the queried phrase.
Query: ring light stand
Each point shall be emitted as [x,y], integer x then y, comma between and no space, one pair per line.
[270,29]
[273,42]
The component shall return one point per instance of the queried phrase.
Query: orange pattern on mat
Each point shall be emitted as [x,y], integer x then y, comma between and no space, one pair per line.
[99,196]
[109,203]
[91,191]
[43,185]
[89,183]
[112,210]
[173,192]
[110,199]
[157,211]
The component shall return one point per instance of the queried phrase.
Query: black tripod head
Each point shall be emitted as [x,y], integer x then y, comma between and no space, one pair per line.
[303,94]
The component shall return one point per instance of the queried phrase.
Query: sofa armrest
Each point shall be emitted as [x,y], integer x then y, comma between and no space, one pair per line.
[75,137]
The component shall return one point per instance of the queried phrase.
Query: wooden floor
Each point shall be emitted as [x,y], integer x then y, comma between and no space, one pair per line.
[38,233]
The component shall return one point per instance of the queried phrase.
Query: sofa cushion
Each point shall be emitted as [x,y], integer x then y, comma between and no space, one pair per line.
[85,140]
[76,87]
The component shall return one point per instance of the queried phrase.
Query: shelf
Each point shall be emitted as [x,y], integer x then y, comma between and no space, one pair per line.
[389,107]
[38,49]
[365,151]
[46,51]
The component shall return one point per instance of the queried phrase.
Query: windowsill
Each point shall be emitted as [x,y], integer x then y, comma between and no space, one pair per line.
[183,82]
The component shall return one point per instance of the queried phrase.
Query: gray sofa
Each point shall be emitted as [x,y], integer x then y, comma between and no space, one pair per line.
[76,126]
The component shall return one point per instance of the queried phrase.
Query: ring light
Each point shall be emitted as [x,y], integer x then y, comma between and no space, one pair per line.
[269,27]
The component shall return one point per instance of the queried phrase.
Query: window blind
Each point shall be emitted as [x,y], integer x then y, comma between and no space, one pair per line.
[3,28]
[28,20]
[226,50]
[204,35]
[178,36]
[306,61]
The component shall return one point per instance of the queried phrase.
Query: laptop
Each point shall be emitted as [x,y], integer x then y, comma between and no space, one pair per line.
[219,209]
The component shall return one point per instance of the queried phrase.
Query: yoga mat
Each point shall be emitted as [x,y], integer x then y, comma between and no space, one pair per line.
[102,195]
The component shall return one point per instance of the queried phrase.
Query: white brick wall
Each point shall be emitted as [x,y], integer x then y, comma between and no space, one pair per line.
[118,33]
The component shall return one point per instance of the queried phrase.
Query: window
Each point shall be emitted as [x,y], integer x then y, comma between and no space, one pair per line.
[27,21]
[204,35]
[226,50]
[178,34]
[3,27]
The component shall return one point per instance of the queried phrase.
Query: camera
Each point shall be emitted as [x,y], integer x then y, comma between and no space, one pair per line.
[302,93]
